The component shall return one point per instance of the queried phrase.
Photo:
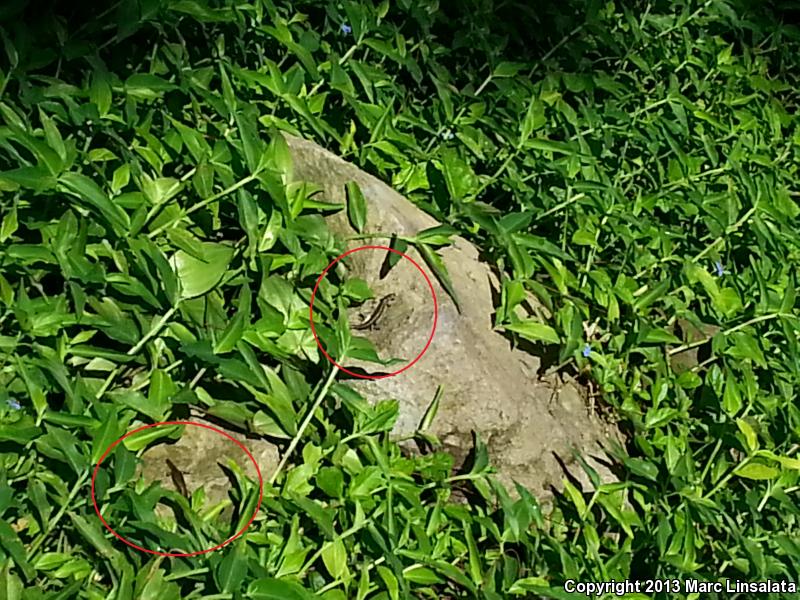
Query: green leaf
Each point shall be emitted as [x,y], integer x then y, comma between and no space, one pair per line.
[731,398]
[382,417]
[9,224]
[120,178]
[540,245]
[144,438]
[36,178]
[474,555]
[750,435]
[546,145]
[539,586]
[727,302]
[53,136]
[268,588]
[440,235]
[233,332]
[198,277]
[100,91]
[104,435]
[785,461]
[87,190]
[10,541]
[534,119]
[508,69]
[147,86]
[161,189]
[660,335]
[253,145]
[430,412]
[202,13]
[458,176]
[757,470]
[534,331]
[91,532]
[366,482]
[356,206]
[577,498]
[422,575]
[433,260]
[390,581]
[334,556]
[233,568]
[657,293]
[641,467]
[746,347]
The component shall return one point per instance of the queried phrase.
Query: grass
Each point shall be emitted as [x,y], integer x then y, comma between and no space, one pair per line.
[634,169]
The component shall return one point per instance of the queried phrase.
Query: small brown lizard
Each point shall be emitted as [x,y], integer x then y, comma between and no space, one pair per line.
[177,479]
[370,321]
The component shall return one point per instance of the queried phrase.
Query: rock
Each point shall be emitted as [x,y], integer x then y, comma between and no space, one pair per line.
[529,425]
[203,455]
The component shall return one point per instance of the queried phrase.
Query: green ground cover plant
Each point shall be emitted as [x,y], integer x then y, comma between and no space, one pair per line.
[634,167]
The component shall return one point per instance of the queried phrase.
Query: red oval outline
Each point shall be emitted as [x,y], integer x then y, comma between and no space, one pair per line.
[180,554]
[314,294]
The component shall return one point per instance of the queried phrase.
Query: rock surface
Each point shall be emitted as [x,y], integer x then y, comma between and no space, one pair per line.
[529,425]
[203,455]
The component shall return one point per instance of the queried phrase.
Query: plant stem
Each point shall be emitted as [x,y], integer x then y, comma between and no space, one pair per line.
[296,440]
[203,203]
[54,521]
[153,331]
[752,321]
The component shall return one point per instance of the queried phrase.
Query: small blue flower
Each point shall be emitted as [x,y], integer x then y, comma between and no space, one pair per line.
[345,28]
[719,269]
[14,404]
[587,350]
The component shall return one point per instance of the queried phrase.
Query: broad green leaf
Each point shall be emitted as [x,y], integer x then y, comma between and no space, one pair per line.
[120,178]
[100,91]
[731,398]
[366,482]
[576,497]
[727,301]
[197,277]
[546,145]
[458,175]
[421,575]
[756,470]
[534,331]
[508,69]
[88,191]
[160,190]
[233,568]
[268,588]
[334,556]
